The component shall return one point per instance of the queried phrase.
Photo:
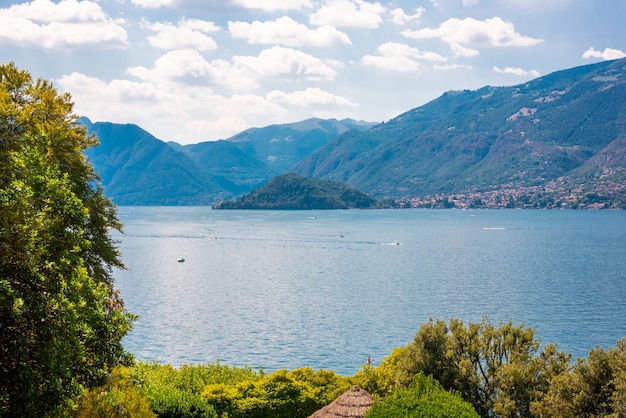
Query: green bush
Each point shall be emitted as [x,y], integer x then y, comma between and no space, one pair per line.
[292,394]
[176,392]
[426,398]
[118,398]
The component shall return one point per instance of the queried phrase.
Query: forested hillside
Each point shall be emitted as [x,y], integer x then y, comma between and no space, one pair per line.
[561,134]
[290,191]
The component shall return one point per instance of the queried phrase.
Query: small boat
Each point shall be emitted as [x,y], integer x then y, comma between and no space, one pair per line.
[181,260]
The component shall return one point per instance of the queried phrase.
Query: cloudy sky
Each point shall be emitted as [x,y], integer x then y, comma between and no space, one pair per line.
[201,70]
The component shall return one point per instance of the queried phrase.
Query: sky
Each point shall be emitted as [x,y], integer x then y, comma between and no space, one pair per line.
[201,70]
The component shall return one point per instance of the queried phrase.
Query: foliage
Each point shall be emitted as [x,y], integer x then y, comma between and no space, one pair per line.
[295,393]
[596,387]
[176,392]
[499,369]
[118,398]
[291,191]
[380,381]
[61,318]
[424,398]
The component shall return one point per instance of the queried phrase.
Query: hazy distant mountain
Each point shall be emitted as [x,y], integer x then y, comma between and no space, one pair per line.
[568,128]
[281,146]
[138,169]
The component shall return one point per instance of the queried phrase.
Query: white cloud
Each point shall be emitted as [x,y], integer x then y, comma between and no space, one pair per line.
[153,4]
[286,31]
[517,71]
[399,17]
[607,54]
[242,73]
[452,67]
[353,13]
[470,2]
[172,112]
[461,35]
[399,57]
[64,11]
[55,25]
[189,67]
[187,34]
[279,61]
[308,97]
[271,5]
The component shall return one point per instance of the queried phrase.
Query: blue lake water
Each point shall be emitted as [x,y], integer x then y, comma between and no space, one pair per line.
[328,289]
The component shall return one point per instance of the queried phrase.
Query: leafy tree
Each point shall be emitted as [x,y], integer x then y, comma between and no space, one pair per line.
[61,318]
[596,387]
[424,398]
[499,369]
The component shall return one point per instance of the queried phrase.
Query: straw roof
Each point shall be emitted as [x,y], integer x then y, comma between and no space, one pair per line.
[352,404]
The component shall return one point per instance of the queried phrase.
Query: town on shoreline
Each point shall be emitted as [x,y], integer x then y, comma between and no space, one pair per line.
[608,195]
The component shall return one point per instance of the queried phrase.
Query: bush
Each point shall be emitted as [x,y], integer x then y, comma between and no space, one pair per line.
[177,392]
[118,398]
[426,398]
[292,394]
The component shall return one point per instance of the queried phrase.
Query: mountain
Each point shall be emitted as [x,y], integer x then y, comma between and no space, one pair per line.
[282,146]
[290,191]
[566,130]
[138,169]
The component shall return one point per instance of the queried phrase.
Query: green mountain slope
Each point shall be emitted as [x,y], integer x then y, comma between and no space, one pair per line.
[282,146]
[565,128]
[138,169]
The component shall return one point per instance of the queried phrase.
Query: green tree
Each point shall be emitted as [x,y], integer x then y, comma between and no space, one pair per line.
[61,318]
[499,369]
[596,387]
[424,398]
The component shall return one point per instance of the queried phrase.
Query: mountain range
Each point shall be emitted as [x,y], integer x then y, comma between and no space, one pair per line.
[562,134]
[138,169]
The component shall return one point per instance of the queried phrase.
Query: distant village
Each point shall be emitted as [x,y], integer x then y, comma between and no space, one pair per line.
[556,195]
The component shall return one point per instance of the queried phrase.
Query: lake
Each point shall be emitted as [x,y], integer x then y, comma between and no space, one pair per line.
[328,289]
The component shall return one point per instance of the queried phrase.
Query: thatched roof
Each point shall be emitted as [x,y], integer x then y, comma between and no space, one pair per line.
[353,404]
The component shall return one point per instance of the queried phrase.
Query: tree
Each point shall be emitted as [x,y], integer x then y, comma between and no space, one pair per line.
[596,387]
[62,320]
[498,369]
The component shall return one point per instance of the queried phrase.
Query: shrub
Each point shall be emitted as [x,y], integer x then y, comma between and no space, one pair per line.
[426,398]
[117,398]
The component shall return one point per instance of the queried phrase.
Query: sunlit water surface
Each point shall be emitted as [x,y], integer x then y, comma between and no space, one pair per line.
[328,289]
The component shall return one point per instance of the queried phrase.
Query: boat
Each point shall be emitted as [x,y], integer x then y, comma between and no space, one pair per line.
[181,260]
